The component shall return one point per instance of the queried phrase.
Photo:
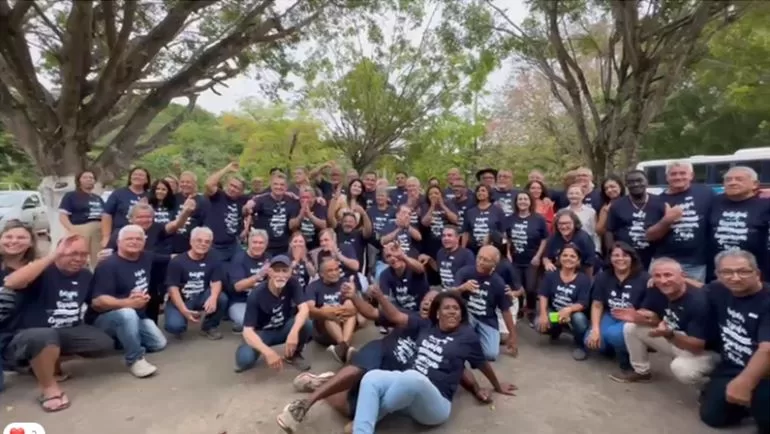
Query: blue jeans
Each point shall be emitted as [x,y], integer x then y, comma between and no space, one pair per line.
[612,339]
[578,324]
[237,312]
[379,267]
[489,336]
[246,356]
[133,333]
[385,392]
[176,323]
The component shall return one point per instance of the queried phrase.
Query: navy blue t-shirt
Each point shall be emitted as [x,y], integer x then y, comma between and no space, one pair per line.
[441,356]
[449,263]
[432,233]
[741,225]
[462,206]
[629,224]
[54,299]
[354,239]
[273,216]
[241,267]
[742,323]
[9,303]
[301,272]
[180,241]
[82,207]
[561,294]
[225,217]
[119,205]
[686,240]
[325,293]
[118,277]
[164,215]
[580,239]
[381,218]
[193,277]
[308,229]
[407,290]
[620,295]
[399,346]
[479,223]
[490,296]
[688,314]
[398,196]
[526,234]
[506,200]
[266,311]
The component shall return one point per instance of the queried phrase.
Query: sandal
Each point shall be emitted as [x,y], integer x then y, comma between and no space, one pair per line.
[61,377]
[64,403]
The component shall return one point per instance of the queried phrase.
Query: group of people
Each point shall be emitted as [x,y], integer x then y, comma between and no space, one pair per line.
[445,272]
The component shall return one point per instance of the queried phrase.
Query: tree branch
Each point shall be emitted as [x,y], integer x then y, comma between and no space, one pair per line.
[74,66]
[108,17]
[19,10]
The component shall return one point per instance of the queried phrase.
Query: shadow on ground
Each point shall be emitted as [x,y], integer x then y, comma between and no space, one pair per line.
[197,392]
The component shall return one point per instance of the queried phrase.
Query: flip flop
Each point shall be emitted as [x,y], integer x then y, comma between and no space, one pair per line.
[63,406]
[61,377]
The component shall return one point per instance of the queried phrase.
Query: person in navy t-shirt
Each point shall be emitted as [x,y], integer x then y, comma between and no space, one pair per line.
[629,217]
[302,267]
[404,280]
[311,217]
[450,258]
[188,189]
[277,312]
[485,292]
[682,313]
[403,232]
[275,212]
[442,350]
[194,281]
[334,319]
[121,288]
[739,307]
[682,230]
[53,290]
[80,212]
[120,202]
[226,209]
[246,270]
[482,219]
[566,293]
[568,230]
[617,298]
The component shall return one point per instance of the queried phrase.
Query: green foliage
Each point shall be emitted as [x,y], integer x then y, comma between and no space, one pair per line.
[15,166]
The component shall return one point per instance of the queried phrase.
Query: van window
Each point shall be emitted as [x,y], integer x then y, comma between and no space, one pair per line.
[700,173]
[656,175]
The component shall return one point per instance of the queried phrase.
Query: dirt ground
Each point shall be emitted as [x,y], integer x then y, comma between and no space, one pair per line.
[196,391]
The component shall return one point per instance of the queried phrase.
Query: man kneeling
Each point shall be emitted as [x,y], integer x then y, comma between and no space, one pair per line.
[48,322]
[681,318]
[276,313]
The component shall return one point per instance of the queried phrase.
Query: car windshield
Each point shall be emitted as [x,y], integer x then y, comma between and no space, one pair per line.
[8,200]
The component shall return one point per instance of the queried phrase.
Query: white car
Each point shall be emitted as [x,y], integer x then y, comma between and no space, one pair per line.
[26,206]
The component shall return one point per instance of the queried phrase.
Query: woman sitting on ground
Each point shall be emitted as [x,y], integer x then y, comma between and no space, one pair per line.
[425,390]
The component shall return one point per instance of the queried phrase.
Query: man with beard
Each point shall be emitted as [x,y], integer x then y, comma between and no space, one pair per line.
[277,312]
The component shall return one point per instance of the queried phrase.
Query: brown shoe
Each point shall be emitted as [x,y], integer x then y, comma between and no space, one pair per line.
[631,377]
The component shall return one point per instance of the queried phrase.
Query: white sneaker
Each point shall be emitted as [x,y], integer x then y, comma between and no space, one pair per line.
[142,368]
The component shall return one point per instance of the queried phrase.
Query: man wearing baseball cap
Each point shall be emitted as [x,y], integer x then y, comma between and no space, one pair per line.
[277,312]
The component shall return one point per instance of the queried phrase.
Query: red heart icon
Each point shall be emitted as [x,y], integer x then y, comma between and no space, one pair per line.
[17,430]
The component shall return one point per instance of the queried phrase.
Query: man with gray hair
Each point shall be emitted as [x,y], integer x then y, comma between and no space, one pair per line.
[739,217]
[682,330]
[120,295]
[682,229]
[194,281]
[740,309]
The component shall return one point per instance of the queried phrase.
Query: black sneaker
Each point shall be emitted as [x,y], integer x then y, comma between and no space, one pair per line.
[298,362]
[292,415]
[340,352]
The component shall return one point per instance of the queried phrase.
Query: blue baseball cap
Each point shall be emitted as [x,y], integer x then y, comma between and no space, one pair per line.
[280,260]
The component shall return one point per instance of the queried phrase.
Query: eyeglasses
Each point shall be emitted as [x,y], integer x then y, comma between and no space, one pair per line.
[744,273]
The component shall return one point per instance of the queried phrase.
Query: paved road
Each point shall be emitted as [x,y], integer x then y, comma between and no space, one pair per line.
[196,391]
